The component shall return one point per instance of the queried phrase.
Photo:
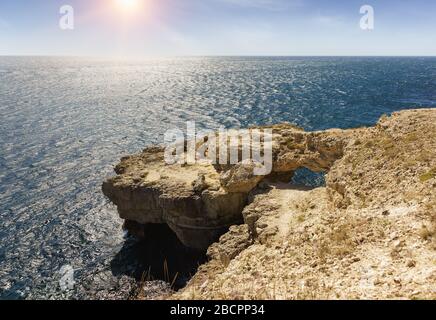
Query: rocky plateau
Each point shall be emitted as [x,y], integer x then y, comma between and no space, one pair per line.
[369,233]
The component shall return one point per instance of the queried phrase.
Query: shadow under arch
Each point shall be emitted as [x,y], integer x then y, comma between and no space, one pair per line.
[158,256]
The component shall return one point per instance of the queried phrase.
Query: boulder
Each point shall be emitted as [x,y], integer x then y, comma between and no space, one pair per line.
[188,199]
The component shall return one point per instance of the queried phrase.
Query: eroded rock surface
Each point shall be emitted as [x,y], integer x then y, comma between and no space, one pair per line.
[369,234]
[187,198]
[199,202]
[241,177]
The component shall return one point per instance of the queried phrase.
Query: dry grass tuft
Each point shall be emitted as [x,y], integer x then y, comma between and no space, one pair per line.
[428,175]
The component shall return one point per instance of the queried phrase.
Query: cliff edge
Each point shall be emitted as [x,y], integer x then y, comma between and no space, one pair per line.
[370,233]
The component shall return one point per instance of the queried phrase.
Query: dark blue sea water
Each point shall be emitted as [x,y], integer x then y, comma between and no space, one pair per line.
[65,122]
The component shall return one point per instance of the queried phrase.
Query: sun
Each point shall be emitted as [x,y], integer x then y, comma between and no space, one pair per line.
[128,5]
[127,13]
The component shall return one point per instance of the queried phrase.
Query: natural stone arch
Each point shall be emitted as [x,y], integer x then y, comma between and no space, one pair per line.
[200,201]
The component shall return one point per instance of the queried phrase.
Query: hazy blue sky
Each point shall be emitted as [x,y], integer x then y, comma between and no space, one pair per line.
[219,27]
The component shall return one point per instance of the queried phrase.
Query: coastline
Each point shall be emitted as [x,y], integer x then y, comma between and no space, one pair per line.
[369,234]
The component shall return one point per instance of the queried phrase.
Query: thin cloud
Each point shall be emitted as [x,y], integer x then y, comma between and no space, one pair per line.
[272,5]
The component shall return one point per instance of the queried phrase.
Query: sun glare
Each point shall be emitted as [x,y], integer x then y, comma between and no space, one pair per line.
[129,13]
[128,5]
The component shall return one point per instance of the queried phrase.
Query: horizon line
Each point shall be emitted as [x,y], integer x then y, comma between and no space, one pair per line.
[212,56]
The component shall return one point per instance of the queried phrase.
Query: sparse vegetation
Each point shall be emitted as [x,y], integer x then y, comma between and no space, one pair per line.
[427,232]
[225,260]
[301,218]
[428,175]
[369,235]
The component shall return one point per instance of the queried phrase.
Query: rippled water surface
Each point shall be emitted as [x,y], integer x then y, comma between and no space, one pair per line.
[65,122]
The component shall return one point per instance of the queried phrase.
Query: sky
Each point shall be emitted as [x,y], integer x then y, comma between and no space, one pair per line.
[218,27]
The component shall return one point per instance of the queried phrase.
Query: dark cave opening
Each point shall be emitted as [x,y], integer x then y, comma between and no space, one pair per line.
[157,255]
[154,252]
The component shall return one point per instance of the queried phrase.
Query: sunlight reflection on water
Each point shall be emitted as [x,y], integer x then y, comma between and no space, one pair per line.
[66,122]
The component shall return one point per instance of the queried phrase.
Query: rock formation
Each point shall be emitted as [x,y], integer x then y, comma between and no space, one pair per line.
[200,202]
[187,198]
[370,233]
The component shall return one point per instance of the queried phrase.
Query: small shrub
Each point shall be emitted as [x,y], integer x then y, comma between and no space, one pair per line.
[427,176]
[225,260]
[427,232]
[411,137]
[369,144]
[301,218]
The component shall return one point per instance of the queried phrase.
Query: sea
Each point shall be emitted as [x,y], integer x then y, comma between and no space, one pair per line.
[65,122]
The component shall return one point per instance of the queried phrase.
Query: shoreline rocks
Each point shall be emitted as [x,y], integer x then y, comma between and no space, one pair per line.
[369,234]
[200,202]
[147,191]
